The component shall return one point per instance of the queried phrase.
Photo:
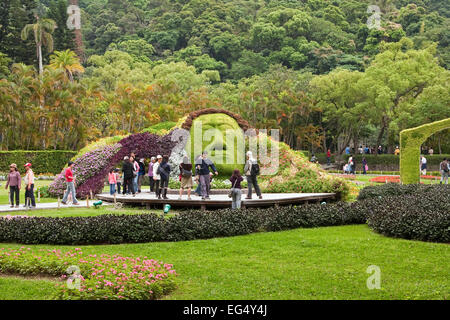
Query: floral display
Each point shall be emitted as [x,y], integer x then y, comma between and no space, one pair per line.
[91,276]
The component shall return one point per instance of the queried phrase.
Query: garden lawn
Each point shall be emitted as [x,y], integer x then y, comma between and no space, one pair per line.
[319,263]
[83,211]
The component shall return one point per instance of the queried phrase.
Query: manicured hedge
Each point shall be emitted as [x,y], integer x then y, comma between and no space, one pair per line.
[424,216]
[189,225]
[395,189]
[51,161]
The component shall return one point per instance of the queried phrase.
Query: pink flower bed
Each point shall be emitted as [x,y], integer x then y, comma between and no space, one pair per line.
[98,277]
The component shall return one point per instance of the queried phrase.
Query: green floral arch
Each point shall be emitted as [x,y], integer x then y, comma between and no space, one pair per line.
[410,142]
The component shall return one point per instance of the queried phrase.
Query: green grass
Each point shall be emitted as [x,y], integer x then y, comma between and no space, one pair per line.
[88,212]
[320,263]
[38,183]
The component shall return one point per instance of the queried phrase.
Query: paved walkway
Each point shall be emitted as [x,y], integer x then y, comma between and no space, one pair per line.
[50,205]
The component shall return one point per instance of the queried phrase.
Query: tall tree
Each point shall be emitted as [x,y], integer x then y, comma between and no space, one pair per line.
[42,31]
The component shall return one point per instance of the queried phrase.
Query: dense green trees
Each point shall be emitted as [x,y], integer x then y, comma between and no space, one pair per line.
[312,68]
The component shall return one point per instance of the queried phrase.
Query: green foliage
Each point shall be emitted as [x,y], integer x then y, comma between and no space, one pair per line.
[188,225]
[419,213]
[161,128]
[42,161]
[410,142]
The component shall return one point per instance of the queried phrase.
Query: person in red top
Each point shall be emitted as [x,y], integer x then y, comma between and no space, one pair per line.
[70,185]
[328,157]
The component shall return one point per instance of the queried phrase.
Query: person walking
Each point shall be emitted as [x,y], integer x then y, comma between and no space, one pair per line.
[186,177]
[135,172]
[112,178]
[128,171]
[14,182]
[351,165]
[141,173]
[68,174]
[364,165]
[423,165]
[444,167]
[150,174]
[29,187]
[118,179]
[236,192]
[157,176]
[251,170]
[397,151]
[164,172]
[328,157]
[203,164]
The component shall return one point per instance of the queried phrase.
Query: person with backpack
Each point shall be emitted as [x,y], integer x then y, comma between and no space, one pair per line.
[203,165]
[70,185]
[128,171]
[236,192]
[164,172]
[14,182]
[186,177]
[251,170]
[444,167]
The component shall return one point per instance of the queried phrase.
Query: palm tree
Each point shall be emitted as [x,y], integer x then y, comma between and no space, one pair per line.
[68,61]
[42,31]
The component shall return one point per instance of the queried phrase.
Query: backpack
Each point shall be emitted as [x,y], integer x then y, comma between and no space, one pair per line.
[254,171]
[186,173]
[444,167]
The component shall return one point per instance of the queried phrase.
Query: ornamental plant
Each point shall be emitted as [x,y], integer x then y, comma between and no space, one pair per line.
[92,168]
[91,276]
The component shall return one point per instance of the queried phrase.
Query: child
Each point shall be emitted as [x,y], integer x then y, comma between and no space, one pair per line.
[236,192]
[118,179]
[112,182]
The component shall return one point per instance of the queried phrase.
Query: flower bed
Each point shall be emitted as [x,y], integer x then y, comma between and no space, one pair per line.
[99,277]
[396,179]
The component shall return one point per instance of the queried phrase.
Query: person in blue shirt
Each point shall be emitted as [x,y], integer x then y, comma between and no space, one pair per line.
[347,150]
[203,165]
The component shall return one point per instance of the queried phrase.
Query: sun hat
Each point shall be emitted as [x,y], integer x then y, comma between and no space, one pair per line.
[159,156]
[27,164]
[126,158]
[13,165]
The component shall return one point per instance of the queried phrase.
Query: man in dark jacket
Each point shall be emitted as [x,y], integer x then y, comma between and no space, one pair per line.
[203,164]
[128,176]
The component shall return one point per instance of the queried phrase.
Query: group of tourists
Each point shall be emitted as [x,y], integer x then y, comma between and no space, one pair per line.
[14,182]
[202,172]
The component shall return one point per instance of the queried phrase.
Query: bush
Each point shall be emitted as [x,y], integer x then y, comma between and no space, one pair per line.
[101,277]
[395,189]
[161,128]
[51,161]
[188,225]
[420,215]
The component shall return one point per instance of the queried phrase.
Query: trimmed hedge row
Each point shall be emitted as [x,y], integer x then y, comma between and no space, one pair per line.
[383,159]
[395,189]
[424,216]
[189,225]
[47,161]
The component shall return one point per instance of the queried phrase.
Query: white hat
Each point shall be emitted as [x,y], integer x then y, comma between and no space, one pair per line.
[126,158]
[158,156]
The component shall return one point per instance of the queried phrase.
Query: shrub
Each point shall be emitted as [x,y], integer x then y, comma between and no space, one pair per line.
[394,189]
[102,277]
[51,161]
[421,216]
[161,128]
[188,225]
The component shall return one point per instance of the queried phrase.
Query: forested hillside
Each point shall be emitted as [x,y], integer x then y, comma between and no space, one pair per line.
[313,69]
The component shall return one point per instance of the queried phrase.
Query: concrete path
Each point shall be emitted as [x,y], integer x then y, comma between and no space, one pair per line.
[50,205]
